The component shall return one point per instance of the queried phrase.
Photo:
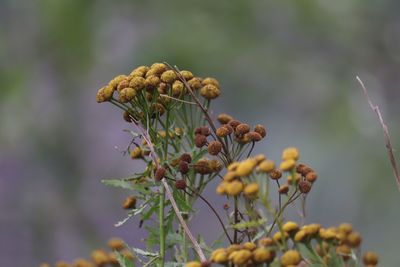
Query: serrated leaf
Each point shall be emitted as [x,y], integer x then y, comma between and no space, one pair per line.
[122,183]
[249,224]
[141,252]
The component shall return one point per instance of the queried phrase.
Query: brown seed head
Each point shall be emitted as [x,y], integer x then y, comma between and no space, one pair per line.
[214,148]
[224,118]
[200,140]
[205,130]
[303,169]
[254,136]
[234,123]
[311,176]
[261,130]
[242,129]
[283,189]
[186,157]
[183,167]
[304,187]
[222,132]
[180,184]
[275,174]
[160,173]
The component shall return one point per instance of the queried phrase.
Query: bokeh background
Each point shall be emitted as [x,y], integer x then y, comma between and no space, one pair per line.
[290,65]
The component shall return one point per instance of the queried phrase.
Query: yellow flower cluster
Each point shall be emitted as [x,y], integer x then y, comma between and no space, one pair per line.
[236,181]
[100,257]
[247,254]
[242,132]
[340,240]
[158,78]
[207,166]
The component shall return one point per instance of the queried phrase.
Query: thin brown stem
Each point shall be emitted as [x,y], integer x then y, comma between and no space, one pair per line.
[389,147]
[207,116]
[168,192]
[215,212]
[292,198]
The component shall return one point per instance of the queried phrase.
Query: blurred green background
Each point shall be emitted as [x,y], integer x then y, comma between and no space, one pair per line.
[290,65]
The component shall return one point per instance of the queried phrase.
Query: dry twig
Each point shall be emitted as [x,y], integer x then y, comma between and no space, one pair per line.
[389,147]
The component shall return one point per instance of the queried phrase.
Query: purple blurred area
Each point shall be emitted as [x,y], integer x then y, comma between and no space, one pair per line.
[288,65]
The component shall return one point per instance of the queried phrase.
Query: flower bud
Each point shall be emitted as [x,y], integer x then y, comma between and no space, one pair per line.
[129,203]
[224,118]
[186,157]
[304,187]
[180,184]
[183,167]
[160,173]
[214,148]
[200,140]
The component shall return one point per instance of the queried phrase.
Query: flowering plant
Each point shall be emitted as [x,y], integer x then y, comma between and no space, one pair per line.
[183,149]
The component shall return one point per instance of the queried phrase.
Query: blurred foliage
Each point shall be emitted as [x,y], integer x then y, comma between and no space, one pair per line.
[288,64]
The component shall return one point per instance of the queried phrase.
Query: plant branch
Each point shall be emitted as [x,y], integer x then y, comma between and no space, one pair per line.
[207,116]
[389,147]
[168,192]
[215,212]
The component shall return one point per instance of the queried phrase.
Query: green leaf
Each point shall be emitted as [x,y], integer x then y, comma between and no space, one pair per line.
[124,262]
[309,253]
[141,252]
[249,224]
[181,202]
[122,183]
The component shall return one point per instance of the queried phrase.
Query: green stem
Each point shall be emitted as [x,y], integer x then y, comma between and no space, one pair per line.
[161,218]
